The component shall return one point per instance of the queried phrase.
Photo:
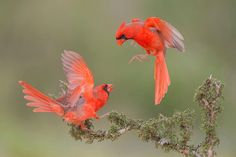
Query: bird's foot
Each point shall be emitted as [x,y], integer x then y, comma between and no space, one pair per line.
[83,126]
[63,86]
[140,58]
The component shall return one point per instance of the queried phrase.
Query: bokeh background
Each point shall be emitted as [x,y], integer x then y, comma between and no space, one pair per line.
[33,34]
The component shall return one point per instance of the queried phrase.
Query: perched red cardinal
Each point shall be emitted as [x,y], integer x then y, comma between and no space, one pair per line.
[154,35]
[80,102]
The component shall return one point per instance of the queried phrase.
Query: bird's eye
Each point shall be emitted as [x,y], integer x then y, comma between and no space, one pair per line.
[105,88]
[122,37]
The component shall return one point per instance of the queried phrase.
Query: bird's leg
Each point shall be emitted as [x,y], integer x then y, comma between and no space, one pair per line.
[139,57]
[105,115]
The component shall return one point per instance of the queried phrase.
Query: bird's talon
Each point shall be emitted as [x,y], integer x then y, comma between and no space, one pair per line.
[83,127]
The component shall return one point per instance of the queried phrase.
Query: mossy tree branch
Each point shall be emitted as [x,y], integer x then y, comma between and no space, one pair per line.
[209,97]
[169,133]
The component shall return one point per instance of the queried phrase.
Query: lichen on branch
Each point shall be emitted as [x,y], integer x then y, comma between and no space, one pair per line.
[169,133]
[209,97]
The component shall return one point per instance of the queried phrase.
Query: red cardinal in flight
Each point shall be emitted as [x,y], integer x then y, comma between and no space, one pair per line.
[154,35]
[80,102]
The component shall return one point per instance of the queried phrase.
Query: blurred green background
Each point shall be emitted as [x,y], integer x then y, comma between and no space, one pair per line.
[33,34]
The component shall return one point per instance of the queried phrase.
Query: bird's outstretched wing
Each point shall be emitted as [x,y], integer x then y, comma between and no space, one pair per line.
[172,37]
[79,76]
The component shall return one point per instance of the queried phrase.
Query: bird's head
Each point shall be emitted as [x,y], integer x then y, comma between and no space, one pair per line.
[124,32]
[107,88]
[102,93]
[103,90]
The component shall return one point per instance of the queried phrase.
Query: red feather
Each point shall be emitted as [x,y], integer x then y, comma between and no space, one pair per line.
[80,102]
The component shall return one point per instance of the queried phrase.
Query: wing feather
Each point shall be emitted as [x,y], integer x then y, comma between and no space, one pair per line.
[79,76]
[172,37]
[76,70]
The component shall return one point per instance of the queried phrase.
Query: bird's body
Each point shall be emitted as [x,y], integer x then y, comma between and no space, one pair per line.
[154,35]
[80,102]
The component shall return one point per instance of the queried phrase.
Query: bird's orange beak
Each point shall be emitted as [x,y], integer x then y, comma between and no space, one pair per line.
[109,87]
[120,41]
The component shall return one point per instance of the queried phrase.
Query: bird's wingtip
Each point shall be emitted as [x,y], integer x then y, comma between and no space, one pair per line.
[65,51]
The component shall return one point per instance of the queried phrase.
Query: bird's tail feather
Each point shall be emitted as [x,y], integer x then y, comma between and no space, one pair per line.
[161,76]
[41,102]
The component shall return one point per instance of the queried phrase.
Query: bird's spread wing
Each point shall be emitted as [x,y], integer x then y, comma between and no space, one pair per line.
[78,75]
[172,37]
